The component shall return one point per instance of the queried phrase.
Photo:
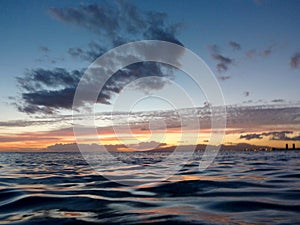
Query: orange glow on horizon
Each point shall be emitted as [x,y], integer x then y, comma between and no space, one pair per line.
[171,137]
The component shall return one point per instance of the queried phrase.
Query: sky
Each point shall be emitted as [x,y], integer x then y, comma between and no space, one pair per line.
[252,47]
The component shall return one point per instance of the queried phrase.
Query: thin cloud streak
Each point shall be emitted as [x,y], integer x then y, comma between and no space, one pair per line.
[239,120]
[234,45]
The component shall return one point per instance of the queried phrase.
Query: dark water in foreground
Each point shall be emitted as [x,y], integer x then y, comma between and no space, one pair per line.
[238,188]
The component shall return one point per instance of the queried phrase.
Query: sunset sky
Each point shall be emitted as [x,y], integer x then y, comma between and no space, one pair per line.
[252,47]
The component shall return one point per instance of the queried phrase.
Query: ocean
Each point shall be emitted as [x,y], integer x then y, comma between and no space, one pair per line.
[238,188]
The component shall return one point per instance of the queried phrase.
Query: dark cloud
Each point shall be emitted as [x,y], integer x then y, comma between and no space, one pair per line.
[92,17]
[278,135]
[222,67]
[281,136]
[39,79]
[267,52]
[278,100]
[47,91]
[295,61]
[114,23]
[275,135]
[248,101]
[234,45]
[44,49]
[119,22]
[222,61]
[90,53]
[223,78]
[251,136]
[246,93]
[75,52]
[214,48]
[47,100]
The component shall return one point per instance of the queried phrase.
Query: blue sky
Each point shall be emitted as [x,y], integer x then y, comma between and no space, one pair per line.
[27,26]
[255,68]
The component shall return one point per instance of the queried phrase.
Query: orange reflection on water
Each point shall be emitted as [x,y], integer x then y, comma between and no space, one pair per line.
[190,213]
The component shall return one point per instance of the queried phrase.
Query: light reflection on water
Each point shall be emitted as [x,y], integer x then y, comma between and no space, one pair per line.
[238,188]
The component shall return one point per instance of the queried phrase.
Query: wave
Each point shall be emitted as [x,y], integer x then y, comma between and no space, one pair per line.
[238,188]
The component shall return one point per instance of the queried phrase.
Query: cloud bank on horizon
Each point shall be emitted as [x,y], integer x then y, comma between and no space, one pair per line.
[258,125]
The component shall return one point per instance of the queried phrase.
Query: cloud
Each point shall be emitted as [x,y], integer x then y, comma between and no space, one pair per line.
[295,61]
[250,53]
[267,52]
[44,49]
[275,135]
[282,136]
[223,78]
[278,100]
[39,79]
[244,117]
[119,22]
[251,136]
[248,101]
[214,48]
[234,45]
[246,93]
[114,23]
[48,91]
[222,61]
[93,51]
[45,90]
[26,123]
[250,121]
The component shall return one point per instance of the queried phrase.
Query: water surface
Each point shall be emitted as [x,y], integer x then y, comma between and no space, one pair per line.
[238,188]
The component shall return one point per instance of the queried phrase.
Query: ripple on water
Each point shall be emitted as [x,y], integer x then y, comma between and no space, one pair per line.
[238,188]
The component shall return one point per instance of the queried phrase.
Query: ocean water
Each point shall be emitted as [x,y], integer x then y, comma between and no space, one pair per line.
[238,188]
